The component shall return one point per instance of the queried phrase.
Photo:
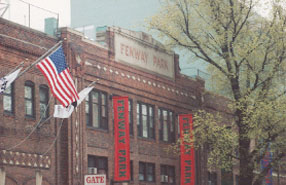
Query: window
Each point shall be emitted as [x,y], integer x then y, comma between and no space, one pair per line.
[178,128]
[44,99]
[96,110]
[168,174]
[131,170]
[145,120]
[236,180]
[212,178]
[101,163]
[29,99]
[130,110]
[166,125]
[8,99]
[146,172]
[226,177]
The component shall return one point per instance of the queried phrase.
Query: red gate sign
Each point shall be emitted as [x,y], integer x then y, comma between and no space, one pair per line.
[121,140]
[95,180]
[187,151]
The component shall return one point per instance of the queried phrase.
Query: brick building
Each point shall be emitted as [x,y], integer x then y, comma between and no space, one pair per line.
[123,63]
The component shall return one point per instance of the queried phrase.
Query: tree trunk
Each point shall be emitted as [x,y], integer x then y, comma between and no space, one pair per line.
[246,165]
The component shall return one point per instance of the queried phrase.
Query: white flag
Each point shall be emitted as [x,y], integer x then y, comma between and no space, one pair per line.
[63,112]
[83,94]
[6,81]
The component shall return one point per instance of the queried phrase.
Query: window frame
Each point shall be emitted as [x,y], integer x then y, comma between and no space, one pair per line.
[130,112]
[145,166]
[46,89]
[32,86]
[12,96]
[168,169]
[96,162]
[171,137]
[131,171]
[177,121]
[149,119]
[103,124]
[212,178]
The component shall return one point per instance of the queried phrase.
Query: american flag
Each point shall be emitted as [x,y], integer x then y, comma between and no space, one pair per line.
[56,71]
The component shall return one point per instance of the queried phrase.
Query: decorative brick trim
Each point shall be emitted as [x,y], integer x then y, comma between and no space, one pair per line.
[25,159]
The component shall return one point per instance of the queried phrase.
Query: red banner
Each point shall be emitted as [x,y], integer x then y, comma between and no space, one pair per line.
[187,151]
[121,140]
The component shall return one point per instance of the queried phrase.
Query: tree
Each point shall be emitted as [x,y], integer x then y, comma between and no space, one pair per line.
[247,54]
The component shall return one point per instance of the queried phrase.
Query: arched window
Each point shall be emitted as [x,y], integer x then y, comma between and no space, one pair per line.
[29,99]
[166,125]
[44,99]
[96,110]
[145,120]
[130,111]
[8,99]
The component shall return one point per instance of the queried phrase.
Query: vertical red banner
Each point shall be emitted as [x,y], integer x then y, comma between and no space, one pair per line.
[187,151]
[121,139]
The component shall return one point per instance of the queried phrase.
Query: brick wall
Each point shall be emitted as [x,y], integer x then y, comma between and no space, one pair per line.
[88,62]
[18,44]
[92,62]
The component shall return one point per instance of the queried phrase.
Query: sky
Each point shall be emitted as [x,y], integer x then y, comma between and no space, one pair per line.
[134,14]
[62,7]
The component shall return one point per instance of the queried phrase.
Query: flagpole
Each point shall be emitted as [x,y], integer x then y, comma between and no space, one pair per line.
[17,67]
[41,58]
[13,70]
[93,83]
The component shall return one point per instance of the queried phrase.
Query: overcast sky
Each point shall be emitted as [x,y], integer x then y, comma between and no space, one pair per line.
[18,11]
[62,7]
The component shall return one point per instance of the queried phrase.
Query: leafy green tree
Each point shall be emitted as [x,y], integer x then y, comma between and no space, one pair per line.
[246,54]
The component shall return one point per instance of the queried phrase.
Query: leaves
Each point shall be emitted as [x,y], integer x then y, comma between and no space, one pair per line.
[219,139]
[246,54]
